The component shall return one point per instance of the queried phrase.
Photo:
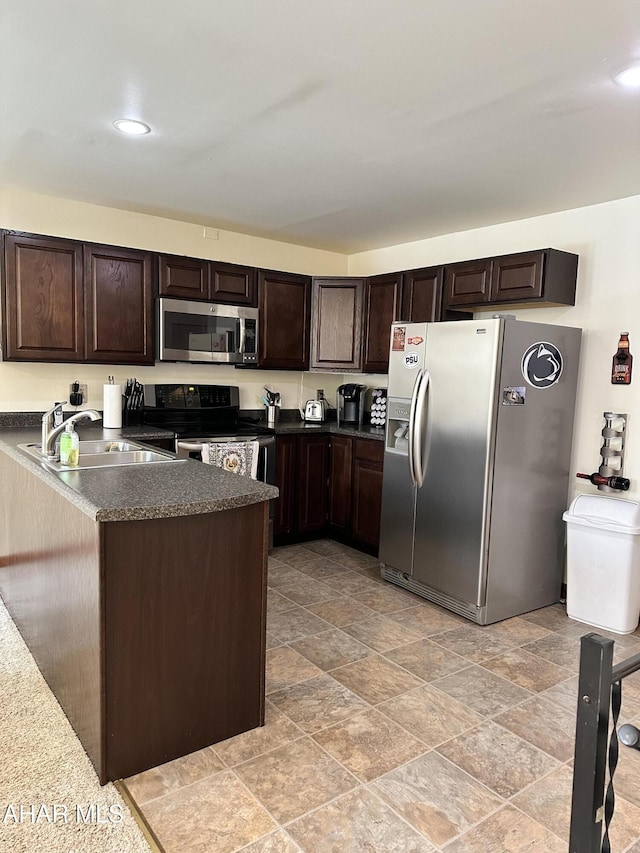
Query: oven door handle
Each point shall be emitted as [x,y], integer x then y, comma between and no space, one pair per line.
[190,445]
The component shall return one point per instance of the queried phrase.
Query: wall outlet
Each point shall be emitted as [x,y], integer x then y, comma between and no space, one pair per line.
[77,394]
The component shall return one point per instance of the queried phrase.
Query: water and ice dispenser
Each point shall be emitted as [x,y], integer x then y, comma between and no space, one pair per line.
[397,436]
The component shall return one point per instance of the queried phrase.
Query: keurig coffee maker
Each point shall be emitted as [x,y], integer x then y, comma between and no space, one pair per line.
[350,403]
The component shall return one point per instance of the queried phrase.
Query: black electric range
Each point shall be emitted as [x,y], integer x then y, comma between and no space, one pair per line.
[198,412]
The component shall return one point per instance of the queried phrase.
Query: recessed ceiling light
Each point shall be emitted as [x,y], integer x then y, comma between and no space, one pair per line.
[629,77]
[132,126]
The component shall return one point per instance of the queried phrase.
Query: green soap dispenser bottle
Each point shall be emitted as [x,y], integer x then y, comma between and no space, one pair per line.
[69,446]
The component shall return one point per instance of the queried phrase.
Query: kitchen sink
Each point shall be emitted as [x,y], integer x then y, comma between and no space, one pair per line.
[103,454]
[107,446]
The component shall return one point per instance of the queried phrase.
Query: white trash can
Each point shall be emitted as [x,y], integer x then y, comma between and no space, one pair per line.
[603,562]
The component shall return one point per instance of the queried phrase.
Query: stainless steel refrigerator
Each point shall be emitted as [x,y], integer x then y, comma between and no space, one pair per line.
[476,468]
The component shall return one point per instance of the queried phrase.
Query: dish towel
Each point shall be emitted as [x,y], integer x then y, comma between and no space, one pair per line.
[239,457]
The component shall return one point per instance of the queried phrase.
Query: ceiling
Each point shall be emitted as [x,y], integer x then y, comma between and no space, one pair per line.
[340,124]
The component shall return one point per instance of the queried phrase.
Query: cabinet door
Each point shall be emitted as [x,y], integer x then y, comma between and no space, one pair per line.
[467,283]
[422,295]
[336,323]
[183,277]
[367,490]
[233,284]
[285,304]
[285,477]
[42,316]
[381,308]
[118,307]
[340,461]
[517,277]
[312,482]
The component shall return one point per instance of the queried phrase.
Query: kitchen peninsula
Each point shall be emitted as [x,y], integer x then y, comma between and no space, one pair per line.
[141,593]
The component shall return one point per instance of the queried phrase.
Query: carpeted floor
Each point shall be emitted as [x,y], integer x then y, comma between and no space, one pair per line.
[50,797]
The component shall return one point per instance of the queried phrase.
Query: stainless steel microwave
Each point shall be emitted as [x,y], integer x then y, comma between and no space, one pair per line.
[208,332]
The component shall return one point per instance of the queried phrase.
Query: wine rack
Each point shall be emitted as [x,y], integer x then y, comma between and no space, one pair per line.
[612,450]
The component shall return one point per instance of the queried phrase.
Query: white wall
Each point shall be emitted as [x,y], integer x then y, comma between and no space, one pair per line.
[607,239]
[33,387]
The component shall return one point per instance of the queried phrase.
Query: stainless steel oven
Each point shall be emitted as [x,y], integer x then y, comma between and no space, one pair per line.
[205,331]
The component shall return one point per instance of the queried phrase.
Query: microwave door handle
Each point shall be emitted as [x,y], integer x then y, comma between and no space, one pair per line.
[243,335]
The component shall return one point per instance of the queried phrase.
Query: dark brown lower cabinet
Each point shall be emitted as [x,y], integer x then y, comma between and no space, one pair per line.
[340,463]
[312,483]
[355,490]
[301,477]
[367,491]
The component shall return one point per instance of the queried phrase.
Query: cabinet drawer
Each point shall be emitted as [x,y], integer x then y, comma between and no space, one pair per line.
[365,448]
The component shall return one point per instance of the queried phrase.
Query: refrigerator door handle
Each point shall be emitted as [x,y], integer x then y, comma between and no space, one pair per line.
[412,421]
[419,428]
[415,428]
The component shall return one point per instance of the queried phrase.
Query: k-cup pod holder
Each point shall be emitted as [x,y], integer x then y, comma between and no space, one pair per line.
[612,450]
[379,407]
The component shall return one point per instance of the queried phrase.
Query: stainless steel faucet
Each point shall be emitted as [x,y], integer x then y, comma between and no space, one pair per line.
[50,433]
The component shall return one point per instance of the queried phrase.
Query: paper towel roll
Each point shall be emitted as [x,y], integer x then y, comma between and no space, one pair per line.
[112,406]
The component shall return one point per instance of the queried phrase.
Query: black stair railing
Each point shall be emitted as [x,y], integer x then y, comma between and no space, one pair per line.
[599,690]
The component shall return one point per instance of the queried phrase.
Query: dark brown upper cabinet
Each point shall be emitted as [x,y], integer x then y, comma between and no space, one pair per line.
[285,313]
[213,281]
[118,305]
[467,283]
[336,323]
[184,278]
[42,306]
[233,284]
[422,295]
[72,302]
[547,276]
[381,308]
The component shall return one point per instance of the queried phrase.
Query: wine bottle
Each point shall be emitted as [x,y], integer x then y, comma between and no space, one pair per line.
[620,483]
[622,362]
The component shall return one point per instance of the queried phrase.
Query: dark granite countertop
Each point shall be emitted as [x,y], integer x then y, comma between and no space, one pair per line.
[289,423]
[130,493]
[330,428]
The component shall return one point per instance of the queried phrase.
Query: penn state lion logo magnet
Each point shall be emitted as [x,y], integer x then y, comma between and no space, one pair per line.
[542,365]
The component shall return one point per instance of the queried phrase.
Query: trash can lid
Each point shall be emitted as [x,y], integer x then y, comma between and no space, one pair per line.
[605,513]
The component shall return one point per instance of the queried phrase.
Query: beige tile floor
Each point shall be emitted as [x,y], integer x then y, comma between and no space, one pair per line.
[393,725]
